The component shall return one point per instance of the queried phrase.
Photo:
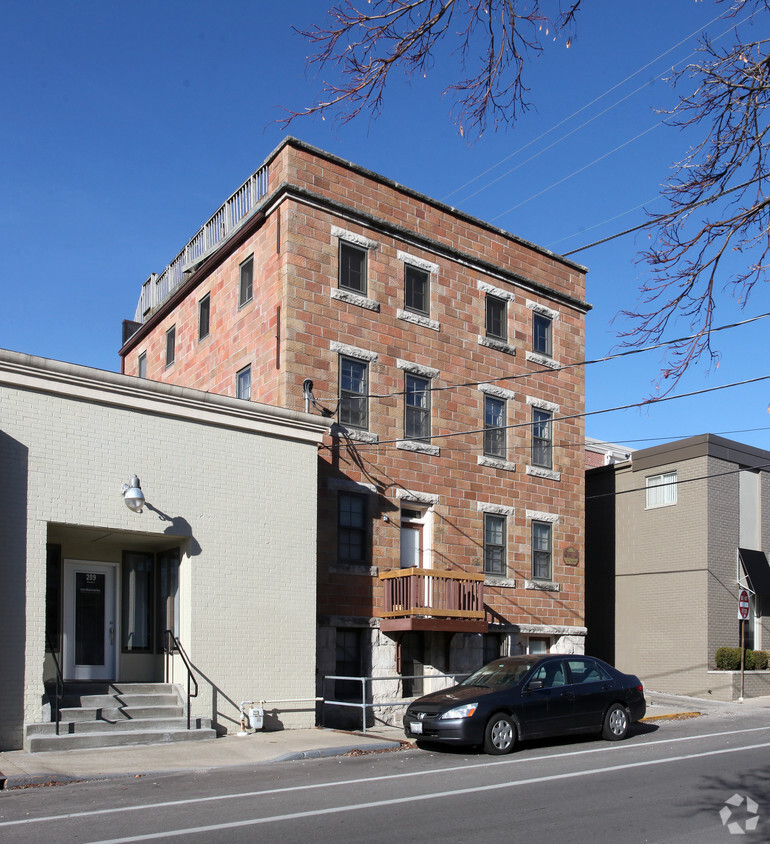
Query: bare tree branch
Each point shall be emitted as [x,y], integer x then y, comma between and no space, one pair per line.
[718,213]
[492,39]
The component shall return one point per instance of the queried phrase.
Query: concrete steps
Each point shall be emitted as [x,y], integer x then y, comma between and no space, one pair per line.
[117,715]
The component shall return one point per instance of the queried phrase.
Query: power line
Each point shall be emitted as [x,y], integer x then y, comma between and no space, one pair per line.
[678,482]
[359,445]
[551,370]
[576,113]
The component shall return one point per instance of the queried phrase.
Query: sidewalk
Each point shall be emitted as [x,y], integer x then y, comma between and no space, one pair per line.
[19,768]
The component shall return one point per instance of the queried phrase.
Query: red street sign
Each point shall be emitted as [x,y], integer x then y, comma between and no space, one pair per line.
[743,605]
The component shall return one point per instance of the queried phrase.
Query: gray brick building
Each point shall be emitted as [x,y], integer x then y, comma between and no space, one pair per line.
[663,568]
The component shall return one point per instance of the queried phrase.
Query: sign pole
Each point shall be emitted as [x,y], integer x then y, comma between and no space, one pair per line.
[743,654]
[744,610]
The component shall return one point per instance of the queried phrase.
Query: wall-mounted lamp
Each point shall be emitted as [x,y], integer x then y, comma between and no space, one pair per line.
[133,495]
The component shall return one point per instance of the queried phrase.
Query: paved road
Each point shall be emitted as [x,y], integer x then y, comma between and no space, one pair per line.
[667,783]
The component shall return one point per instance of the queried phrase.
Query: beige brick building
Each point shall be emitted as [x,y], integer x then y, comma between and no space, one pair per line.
[208,557]
[662,553]
[450,499]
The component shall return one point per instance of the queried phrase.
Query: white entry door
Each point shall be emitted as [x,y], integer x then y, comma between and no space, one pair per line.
[90,629]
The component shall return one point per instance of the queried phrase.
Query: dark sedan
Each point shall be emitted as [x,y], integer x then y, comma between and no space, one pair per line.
[525,697]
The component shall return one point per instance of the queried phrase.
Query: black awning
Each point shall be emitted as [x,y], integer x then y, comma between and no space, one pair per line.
[757,570]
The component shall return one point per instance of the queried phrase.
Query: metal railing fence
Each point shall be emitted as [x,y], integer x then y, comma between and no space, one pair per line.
[365,704]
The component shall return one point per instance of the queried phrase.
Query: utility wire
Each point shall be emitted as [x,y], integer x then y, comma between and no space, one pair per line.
[360,445]
[551,370]
[678,482]
[576,113]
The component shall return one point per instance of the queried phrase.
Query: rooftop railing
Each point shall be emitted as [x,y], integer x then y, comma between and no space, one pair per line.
[227,219]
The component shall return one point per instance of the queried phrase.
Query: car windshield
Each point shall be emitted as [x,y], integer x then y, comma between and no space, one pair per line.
[498,675]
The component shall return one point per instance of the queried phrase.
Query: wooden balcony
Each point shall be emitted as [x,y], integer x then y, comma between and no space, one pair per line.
[429,599]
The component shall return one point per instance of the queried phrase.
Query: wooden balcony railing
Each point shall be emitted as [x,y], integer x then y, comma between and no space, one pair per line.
[447,596]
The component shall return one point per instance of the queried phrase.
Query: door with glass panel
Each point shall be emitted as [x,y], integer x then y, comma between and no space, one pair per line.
[89,624]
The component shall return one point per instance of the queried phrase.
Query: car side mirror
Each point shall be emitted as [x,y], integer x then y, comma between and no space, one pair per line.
[534,685]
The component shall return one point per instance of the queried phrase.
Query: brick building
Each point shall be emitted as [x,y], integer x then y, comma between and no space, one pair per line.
[450,490]
[671,536]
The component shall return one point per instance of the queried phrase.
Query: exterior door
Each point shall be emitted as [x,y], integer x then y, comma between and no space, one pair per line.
[89,623]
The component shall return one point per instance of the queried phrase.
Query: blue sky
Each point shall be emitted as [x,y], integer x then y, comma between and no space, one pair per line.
[124,126]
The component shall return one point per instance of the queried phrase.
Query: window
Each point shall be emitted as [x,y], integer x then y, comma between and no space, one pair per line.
[246,286]
[137,593]
[167,579]
[243,384]
[542,334]
[348,664]
[538,644]
[494,427]
[204,314]
[552,675]
[416,290]
[53,598]
[586,671]
[170,345]
[417,408]
[542,443]
[354,408]
[496,317]
[494,544]
[351,527]
[150,600]
[352,267]
[541,550]
[141,365]
[661,490]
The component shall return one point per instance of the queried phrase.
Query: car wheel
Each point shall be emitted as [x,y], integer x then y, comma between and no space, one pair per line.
[499,735]
[616,723]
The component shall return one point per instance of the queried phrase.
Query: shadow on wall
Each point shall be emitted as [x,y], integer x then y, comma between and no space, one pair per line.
[14,463]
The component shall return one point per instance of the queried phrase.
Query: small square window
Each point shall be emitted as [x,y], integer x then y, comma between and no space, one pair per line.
[246,285]
[494,427]
[354,406]
[417,408]
[494,544]
[243,384]
[351,527]
[204,316]
[541,550]
[542,440]
[141,365]
[661,490]
[416,290]
[496,318]
[542,334]
[352,267]
[170,345]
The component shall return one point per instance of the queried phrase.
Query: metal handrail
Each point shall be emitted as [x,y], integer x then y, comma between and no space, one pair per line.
[59,681]
[364,705]
[176,645]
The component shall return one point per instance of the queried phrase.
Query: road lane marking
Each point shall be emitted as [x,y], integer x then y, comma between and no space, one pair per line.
[395,801]
[459,768]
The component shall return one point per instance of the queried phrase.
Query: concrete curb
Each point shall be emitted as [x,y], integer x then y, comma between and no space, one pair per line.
[337,751]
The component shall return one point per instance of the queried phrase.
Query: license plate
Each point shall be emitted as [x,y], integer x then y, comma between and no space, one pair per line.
[415,726]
